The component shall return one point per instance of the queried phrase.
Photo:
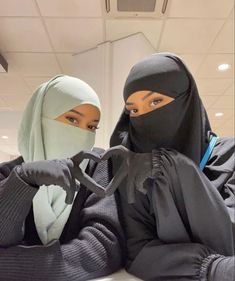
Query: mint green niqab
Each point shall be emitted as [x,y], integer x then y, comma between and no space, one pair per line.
[41,137]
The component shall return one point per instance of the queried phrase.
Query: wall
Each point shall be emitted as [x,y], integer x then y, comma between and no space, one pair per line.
[105,68]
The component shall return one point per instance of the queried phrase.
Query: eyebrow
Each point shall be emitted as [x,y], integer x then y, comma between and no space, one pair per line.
[81,114]
[75,111]
[147,95]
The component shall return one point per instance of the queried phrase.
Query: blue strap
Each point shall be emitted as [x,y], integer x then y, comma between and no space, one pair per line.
[208,152]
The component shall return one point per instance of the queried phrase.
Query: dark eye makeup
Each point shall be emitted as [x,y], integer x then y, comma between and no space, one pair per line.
[155,101]
[92,127]
[72,120]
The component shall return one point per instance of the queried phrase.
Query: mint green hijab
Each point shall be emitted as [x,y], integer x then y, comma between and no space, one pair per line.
[41,137]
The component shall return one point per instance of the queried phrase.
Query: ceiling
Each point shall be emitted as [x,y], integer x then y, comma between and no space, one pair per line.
[39,37]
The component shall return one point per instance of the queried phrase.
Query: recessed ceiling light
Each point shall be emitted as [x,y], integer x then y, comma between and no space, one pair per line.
[223,67]
[4,137]
[219,114]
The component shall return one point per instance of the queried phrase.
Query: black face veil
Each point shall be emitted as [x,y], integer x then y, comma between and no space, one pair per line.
[182,125]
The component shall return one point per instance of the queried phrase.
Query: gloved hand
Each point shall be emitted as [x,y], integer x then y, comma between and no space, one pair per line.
[137,167]
[222,269]
[50,172]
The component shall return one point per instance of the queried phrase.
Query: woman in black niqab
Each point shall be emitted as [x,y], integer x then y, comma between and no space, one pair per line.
[184,226]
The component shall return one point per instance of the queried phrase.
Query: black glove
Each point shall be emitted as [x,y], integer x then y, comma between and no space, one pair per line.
[50,172]
[137,167]
[115,181]
[222,269]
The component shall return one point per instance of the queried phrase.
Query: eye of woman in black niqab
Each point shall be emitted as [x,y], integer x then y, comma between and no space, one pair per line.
[142,102]
[181,123]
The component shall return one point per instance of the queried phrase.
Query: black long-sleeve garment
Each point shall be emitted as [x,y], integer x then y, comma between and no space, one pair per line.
[187,218]
[90,244]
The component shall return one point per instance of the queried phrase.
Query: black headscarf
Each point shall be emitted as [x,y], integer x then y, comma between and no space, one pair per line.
[182,125]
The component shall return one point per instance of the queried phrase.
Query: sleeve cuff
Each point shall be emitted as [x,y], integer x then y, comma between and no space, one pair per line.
[206,263]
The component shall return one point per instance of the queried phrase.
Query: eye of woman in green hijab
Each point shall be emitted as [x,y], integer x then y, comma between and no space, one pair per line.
[84,116]
[142,102]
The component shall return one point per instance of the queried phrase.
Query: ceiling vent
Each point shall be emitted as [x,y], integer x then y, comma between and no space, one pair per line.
[135,8]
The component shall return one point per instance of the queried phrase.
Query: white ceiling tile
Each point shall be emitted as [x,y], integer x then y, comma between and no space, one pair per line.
[2,103]
[232,14]
[189,35]
[224,43]
[192,61]
[213,86]
[6,109]
[230,90]
[75,35]
[200,8]
[17,102]
[67,63]
[227,114]
[24,34]
[226,102]
[116,29]
[34,82]
[229,124]
[208,101]
[12,85]
[218,123]
[224,133]
[12,67]
[18,8]
[71,8]
[35,64]
[209,67]
[226,129]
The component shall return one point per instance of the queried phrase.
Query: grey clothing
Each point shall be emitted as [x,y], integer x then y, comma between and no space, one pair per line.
[90,244]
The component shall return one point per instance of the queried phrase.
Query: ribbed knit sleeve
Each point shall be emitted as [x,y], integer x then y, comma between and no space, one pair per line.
[95,252]
[15,202]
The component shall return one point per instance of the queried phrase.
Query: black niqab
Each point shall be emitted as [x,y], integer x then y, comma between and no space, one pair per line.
[181,125]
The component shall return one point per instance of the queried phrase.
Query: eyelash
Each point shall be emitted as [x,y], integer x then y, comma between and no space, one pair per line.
[157,100]
[90,127]
[131,110]
[134,110]
[72,118]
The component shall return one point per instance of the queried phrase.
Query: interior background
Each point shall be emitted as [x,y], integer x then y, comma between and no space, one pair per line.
[42,38]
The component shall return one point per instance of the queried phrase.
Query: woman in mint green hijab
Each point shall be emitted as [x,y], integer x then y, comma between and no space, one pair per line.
[44,235]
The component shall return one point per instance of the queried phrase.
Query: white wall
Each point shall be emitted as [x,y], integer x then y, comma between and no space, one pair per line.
[9,122]
[4,157]
[106,68]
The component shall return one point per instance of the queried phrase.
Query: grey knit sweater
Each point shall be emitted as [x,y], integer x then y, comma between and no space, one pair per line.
[90,245]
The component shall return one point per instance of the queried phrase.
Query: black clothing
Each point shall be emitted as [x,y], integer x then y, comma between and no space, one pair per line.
[182,125]
[90,244]
[186,220]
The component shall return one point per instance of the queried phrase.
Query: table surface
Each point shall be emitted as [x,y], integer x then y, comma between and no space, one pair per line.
[118,276]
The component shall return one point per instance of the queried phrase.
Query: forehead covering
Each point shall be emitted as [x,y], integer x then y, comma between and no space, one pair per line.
[181,125]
